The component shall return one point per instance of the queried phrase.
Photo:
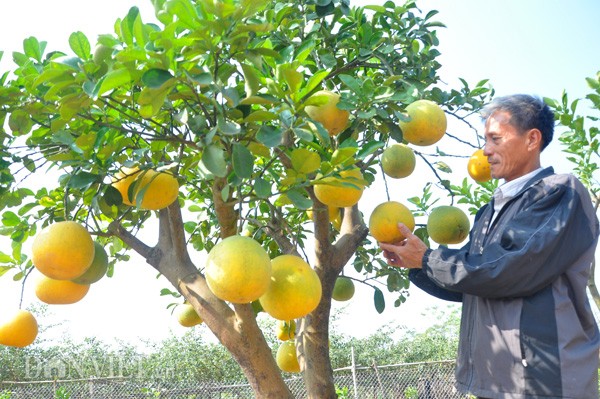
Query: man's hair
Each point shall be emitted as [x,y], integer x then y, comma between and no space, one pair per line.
[527,112]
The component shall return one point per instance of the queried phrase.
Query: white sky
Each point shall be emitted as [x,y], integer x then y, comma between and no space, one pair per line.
[536,46]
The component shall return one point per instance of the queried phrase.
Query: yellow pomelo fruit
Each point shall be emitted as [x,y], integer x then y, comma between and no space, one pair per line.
[97,269]
[157,189]
[63,250]
[238,270]
[286,357]
[333,212]
[330,191]
[333,119]
[285,330]
[336,222]
[344,289]
[59,292]
[398,160]
[479,167]
[427,124]
[295,289]
[383,222]
[448,224]
[187,315]
[18,328]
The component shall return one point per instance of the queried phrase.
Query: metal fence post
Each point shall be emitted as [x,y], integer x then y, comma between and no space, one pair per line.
[354,373]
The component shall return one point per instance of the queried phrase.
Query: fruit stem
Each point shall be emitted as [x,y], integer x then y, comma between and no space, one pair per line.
[23,287]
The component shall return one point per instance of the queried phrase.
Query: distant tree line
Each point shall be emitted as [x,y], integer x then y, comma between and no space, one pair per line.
[196,356]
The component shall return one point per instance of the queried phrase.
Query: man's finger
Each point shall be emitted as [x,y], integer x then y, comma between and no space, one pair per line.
[404,230]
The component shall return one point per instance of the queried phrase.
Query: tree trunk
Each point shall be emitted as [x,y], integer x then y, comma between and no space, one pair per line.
[314,339]
[592,285]
[314,352]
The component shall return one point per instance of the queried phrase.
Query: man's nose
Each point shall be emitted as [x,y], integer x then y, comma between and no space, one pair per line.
[487,150]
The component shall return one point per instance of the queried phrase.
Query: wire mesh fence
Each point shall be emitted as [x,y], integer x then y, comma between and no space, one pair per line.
[427,380]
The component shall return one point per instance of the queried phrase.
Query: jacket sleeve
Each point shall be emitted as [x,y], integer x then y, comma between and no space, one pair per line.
[551,230]
[419,278]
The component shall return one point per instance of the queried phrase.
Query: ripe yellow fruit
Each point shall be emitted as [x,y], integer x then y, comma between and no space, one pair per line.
[427,124]
[238,270]
[336,222]
[448,224]
[187,315]
[398,160]
[97,269]
[383,222]
[19,328]
[330,191]
[285,330]
[157,189]
[286,357]
[333,212]
[59,292]
[63,250]
[479,167]
[333,119]
[295,289]
[344,289]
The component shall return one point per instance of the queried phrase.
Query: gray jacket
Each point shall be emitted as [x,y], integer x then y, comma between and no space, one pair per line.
[527,328]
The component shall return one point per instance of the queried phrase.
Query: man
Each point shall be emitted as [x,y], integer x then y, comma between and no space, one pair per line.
[527,329]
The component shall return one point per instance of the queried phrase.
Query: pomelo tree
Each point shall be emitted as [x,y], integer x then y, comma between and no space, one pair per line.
[214,93]
[580,138]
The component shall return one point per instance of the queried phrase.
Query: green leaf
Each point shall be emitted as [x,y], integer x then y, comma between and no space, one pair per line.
[353,83]
[80,45]
[369,148]
[379,300]
[303,134]
[33,48]
[299,198]
[127,25]
[227,127]
[20,122]
[113,80]
[269,136]
[262,188]
[213,158]
[344,156]
[243,161]
[304,50]
[10,219]
[251,80]
[185,12]
[593,83]
[261,116]
[314,81]
[155,77]
[112,196]
[305,161]
[83,180]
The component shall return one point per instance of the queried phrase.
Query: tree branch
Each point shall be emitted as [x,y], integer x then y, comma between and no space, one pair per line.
[152,255]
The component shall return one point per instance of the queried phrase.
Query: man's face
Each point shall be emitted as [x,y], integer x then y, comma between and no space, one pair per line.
[509,152]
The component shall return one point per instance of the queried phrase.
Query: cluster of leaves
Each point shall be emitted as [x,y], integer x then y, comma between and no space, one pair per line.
[581,140]
[215,92]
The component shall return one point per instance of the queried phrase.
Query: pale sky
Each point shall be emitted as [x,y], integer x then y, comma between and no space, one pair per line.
[536,46]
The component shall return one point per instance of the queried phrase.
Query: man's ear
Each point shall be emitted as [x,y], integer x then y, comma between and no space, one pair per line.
[534,139]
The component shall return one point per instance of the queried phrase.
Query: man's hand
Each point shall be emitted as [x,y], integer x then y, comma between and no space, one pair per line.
[407,253]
